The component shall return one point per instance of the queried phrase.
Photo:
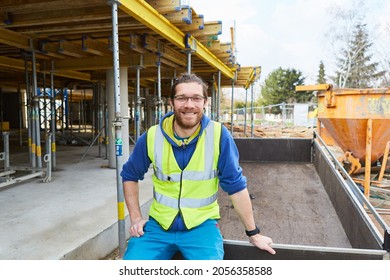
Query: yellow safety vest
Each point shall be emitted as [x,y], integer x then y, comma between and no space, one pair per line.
[192,191]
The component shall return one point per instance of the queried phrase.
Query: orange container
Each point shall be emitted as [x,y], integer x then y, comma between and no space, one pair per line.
[345,114]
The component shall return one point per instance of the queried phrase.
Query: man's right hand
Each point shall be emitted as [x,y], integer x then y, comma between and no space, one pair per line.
[137,227]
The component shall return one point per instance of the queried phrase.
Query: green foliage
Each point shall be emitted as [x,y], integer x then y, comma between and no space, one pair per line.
[355,69]
[239,104]
[321,74]
[280,85]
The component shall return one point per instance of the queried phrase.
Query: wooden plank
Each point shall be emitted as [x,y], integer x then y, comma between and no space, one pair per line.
[165,6]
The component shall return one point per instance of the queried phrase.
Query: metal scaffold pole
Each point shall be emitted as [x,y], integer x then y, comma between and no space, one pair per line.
[252,113]
[232,110]
[53,119]
[213,99]
[189,65]
[29,113]
[117,123]
[219,95]
[159,101]
[100,116]
[245,110]
[138,105]
[35,114]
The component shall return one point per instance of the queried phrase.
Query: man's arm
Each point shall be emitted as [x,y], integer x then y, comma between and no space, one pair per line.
[131,194]
[243,206]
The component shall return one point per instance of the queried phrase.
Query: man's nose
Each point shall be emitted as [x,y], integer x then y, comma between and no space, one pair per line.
[189,102]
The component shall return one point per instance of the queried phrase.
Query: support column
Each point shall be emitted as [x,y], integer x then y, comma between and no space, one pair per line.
[20,116]
[149,108]
[189,66]
[44,117]
[111,114]
[29,115]
[138,105]
[117,124]
[35,124]
[53,119]
[232,110]
[124,110]
[245,110]
[159,101]
[219,95]
[213,100]
[99,90]
[252,112]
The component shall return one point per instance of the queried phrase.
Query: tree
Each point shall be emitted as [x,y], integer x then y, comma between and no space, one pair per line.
[349,40]
[321,74]
[280,85]
[354,67]
[239,104]
[384,52]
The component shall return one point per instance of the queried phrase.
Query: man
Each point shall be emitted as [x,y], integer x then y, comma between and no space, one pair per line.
[191,156]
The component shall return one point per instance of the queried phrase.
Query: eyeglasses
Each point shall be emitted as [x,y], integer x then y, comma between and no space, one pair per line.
[184,99]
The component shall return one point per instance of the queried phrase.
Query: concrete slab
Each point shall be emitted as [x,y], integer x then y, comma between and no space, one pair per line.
[72,217]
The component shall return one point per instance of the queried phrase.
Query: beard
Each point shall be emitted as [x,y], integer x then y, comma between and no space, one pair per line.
[188,123]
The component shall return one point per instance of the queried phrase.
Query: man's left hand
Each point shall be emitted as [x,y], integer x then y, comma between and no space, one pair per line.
[262,242]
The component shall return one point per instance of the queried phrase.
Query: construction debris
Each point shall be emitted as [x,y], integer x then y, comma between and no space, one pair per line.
[271,131]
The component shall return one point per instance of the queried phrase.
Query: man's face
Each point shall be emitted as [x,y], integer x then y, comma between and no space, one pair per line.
[188,104]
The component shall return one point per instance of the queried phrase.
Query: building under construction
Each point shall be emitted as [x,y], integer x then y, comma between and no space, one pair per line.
[80,81]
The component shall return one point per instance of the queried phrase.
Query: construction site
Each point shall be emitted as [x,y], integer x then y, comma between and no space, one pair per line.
[81,80]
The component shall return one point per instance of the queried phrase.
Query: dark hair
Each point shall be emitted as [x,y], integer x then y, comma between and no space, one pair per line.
[188,78]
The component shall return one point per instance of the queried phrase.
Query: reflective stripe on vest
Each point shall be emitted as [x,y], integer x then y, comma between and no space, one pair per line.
[184,202]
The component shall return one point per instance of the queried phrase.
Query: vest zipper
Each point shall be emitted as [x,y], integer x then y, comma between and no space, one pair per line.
[181,185]
[178,203]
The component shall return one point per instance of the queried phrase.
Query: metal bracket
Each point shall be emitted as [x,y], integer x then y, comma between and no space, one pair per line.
[83,38]
[117,123]
[330,99]
[189,43]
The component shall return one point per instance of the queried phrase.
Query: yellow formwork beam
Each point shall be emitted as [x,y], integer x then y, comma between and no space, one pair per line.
[165,6]
[147,15]
[14,39]
[73,74]
[12,63]
[254,75]
[18,64]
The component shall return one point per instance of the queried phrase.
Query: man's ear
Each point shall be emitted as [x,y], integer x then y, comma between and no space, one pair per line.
[170,102]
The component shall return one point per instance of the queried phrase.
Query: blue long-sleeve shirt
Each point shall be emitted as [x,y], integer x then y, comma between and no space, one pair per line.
[230,176]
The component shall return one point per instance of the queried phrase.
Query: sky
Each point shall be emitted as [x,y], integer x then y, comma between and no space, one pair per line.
[289,33]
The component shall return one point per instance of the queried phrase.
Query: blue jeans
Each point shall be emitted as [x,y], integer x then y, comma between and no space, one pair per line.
[203,242]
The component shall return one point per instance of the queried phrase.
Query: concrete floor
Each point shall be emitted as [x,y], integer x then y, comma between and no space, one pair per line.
[72,217]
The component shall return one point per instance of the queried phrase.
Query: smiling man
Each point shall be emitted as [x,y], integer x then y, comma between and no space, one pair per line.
[191,157]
